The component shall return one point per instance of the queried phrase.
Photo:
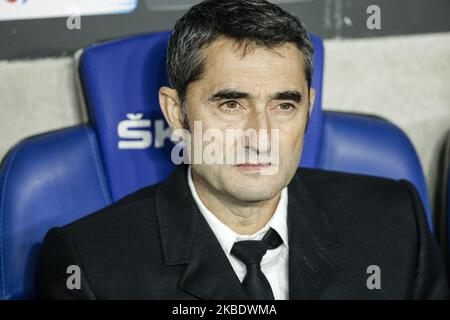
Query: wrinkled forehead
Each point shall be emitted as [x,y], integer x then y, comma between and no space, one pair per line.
[228,63]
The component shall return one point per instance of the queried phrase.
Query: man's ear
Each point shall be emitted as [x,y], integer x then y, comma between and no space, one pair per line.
[312,98]
[171,107]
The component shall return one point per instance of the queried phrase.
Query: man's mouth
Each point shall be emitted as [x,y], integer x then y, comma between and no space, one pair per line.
[254,166]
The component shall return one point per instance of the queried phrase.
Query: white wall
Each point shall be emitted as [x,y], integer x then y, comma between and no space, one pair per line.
[403,79]
[36,96]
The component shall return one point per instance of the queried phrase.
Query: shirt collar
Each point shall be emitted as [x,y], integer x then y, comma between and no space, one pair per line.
[226,236]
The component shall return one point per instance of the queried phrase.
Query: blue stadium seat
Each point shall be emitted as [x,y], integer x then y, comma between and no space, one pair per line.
[58,177]
[46,180]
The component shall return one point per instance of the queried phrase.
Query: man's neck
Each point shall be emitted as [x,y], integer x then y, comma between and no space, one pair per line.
[241,217]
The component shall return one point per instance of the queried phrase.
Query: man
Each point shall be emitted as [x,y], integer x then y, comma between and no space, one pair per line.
[249,229]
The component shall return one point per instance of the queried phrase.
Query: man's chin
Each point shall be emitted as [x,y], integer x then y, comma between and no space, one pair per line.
[255,187]
[255,194]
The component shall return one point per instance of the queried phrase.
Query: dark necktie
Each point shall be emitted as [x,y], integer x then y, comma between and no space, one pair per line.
[251,252]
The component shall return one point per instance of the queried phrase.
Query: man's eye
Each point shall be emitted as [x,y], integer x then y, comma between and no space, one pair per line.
[285,107]
[230,106]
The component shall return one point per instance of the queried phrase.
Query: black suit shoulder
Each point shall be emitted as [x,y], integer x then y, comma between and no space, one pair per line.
[132,202]
[372,216]
[374,204]
[103,245]
[381,221]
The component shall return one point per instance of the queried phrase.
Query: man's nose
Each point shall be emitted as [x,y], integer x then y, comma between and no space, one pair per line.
[259,126]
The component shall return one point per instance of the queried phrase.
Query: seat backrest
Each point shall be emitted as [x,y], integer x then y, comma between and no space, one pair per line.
[120,81]
[373,146]
[45,181]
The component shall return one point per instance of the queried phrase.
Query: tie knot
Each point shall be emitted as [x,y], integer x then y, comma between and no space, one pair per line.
[272,239]
[251,252]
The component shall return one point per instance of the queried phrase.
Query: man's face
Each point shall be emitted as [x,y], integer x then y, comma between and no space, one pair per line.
[263,89]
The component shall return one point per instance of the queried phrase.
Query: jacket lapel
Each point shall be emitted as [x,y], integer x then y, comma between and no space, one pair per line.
[209,275]
[310,235]
[187,239]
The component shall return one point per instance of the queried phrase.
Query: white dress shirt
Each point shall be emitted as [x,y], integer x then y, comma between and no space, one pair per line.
[274,264]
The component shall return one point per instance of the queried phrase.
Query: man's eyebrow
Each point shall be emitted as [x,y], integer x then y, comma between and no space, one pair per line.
[288,95]
[228,94]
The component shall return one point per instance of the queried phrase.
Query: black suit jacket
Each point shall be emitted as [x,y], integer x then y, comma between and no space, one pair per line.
[155,244]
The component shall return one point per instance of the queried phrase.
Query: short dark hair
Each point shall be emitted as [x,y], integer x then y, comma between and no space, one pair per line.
[254,22]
